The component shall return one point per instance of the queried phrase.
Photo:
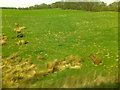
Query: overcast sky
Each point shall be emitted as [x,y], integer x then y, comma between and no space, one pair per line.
[27,3]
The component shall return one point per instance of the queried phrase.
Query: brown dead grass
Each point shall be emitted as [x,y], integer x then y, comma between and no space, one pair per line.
[17,71]
[70,62]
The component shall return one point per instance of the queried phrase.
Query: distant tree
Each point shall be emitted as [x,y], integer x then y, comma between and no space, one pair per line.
[99,6]
[113,6]
[119,6]
[41,6]
[87,6]
[57,5]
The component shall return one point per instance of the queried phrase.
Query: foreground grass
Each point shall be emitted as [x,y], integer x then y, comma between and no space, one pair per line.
[55,34]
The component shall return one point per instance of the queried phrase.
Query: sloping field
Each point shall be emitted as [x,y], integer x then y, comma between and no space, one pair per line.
[54,34]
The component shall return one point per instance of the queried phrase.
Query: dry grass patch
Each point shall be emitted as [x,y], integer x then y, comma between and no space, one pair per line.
[71,62]
[17,71]
[97,81]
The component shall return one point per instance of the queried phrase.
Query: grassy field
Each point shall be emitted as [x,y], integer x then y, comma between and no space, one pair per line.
[56,34]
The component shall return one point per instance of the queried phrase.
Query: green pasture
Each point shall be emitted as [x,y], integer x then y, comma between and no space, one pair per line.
[56,34]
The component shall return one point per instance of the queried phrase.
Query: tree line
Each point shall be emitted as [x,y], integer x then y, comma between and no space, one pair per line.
[8,7]
[87,6]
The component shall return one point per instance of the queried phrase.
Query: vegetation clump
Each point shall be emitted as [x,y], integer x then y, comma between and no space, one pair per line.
[3,39]
[18,30]
[16,24]
[21,42]
[96,60]
[40,58]
[20,36]
[70,62]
